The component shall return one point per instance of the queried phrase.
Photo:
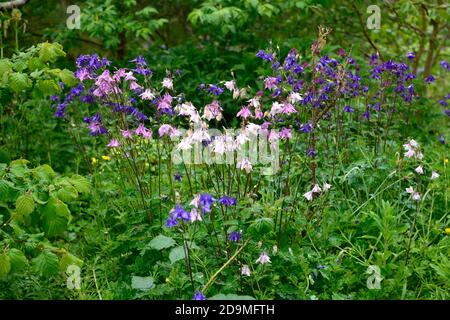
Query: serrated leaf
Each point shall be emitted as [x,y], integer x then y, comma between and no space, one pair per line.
[56,216]
[48,87]
[161,242]
[142,283]
[80,183]
[17,259]
[5,66]
[68,260]
[46,264]
[67,77]
[35,64]
[67,194]
[49,52]
[19,168]
[5,265]
[176,254]
[19,81]
[43,172]
[25,204]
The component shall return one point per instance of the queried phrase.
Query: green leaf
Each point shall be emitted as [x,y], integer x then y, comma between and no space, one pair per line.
[46,264]
[5,66]
[48,87]
[5,265]
[25,204]
[49,52]
[161,242]
[230,296]
[67,194]
[176,254]
[68,260]
[43,172]
[19,168]
[17,259]
[80,183]
[35,64]
[261,226]
[56,216]
[19,81]
[142,283]
[67,77]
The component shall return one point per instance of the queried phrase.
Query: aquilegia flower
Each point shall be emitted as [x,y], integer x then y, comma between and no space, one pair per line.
[263,258]
[227,201]
[235,236]
[199,296]
[206,200]
[245,270]
[419,170]
[434,175]
[113,143]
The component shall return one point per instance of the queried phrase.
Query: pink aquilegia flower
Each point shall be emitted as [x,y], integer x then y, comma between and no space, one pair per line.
[419,170]
[288,108]
[244,113]
[285,133]
[213,111]
[416,196]
[230,85]
[326,187]
[147,95]
[316,188]
[195,216]
[135,86]
[270,83]
[127,134]
[143,131]
[263,258]
[113,143]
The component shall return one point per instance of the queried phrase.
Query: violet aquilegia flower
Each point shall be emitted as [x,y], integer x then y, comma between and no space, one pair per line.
[199,296]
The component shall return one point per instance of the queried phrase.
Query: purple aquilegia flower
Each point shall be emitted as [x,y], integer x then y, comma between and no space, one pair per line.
[227,201]
[206,201]
[171,222]
[445,65]
[199,296]
[177,176]
[179,212]
[410,55]
[347,108]
[235,236]
[441,139]
[215,89]
[430,78]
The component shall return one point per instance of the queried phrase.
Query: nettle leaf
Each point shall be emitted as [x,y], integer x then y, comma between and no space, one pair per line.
[67,194]
[5,265]
[67,77]
[6,189]
[17,259]
[19,168]
[80,183]
[19,81]
[176,254]
[56,217]
[25,204]
[261,226]
[5,66]
[161,242]
[43,172]
[20,65]
[35,64]
[68,260]
[48,87]
[49,52]
[46,264]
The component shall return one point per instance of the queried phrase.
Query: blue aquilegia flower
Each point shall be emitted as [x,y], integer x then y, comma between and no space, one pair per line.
[199,296]
[235,236]
[228,201]
[206,201]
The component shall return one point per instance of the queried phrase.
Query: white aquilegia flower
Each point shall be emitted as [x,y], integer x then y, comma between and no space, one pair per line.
[245,270]
[194,215]
[434,175]
[147,95]
[196,201]
[419,170]
[167,83]
[416,196]
[410,190]
[263,258]
[308,195]
[246,165]
[326,187]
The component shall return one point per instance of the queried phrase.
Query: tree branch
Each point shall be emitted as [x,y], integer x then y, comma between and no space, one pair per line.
[12,4]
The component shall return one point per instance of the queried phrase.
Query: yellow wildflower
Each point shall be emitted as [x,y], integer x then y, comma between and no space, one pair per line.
[447,230]
[445,161]
[93,160]
[106,158]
